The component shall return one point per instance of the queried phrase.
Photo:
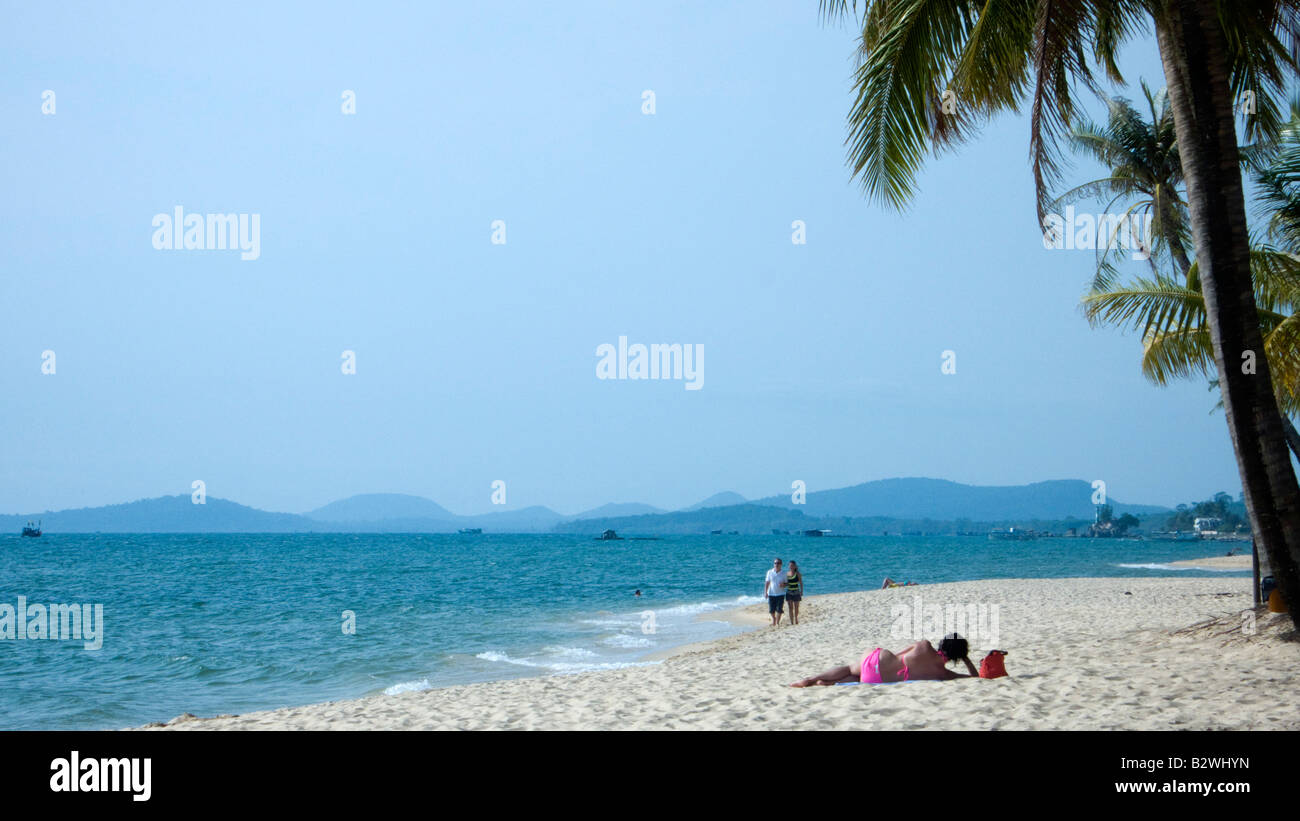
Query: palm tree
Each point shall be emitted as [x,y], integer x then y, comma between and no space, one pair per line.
[1169,314]
[1169,310]
[1145,173]
[1000,55]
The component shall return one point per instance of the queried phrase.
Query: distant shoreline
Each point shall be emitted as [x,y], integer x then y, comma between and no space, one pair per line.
[913,506]
[1238,562]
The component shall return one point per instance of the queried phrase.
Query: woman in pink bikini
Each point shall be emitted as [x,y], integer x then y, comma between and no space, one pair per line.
[918,662]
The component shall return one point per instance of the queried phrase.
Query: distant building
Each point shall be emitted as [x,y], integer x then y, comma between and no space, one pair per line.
[1102,530]
[1207,525]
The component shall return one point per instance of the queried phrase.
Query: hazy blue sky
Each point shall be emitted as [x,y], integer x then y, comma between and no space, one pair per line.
[477,361]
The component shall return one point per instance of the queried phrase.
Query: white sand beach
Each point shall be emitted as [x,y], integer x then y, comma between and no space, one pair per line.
[1116,654]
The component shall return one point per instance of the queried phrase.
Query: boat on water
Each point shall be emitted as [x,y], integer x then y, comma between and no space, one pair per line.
[29,530]
[609,536]
[816,532]
[471,531]
[1012,534]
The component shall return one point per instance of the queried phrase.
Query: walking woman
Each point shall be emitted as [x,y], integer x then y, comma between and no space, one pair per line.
[794,590]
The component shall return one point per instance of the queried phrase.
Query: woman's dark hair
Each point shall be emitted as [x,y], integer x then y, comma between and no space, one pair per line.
[954,647]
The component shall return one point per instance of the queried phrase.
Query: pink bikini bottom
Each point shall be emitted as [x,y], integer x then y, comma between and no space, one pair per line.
[871,669]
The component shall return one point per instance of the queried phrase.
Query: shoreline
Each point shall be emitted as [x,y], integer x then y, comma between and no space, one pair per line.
[1237,562]
[1084,653]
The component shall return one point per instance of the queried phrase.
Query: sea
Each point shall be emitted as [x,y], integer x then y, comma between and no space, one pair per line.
[231,623]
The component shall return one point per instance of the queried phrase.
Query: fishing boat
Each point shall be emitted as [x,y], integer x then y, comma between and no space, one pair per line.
[609,536]
[34,532]
[471,531]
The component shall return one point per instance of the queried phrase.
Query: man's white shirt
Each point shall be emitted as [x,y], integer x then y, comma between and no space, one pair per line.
[776,582]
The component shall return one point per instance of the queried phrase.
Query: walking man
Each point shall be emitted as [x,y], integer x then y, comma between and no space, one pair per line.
[774,589]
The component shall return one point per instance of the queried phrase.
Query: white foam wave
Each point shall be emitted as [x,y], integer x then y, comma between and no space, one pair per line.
[568,652]
[701,608]
[558,666]
[408,687]
[627,640]
[1159,566]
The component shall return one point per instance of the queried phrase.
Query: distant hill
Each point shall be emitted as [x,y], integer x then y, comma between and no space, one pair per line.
[762,520]
[618,509]
[524,520]
[941,499]
[724,499]
[892,505]
[748,518]
[165,514]
[402,513]
[178,514]
[374,507]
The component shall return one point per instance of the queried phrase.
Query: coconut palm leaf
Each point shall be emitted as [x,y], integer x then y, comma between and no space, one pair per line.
[1178,354]
[897,114]
[1000,55]
[1141,151]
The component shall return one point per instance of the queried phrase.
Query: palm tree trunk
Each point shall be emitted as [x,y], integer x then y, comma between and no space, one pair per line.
[1180,257]
[1292,436]
[1169,217]
[1194,56]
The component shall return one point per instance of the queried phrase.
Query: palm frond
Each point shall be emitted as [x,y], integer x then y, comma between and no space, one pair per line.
[1150,306]
[1060,30]
[907,56]
[1178,355]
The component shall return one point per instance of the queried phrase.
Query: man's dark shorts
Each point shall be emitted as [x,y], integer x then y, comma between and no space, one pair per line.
[776,604]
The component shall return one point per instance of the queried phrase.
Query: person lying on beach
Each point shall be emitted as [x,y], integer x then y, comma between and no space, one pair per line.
[917,662]
[888,582]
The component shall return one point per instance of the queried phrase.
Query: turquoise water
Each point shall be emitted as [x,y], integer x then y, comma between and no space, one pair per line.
[229,623]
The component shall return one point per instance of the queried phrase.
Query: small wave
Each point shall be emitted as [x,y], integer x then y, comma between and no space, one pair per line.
[408,687]
[1159,566]
[558,666]
[612,622]
[626,641]
[569,652]
[710,606]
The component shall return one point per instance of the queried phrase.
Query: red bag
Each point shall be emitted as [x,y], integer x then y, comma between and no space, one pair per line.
[992,666]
